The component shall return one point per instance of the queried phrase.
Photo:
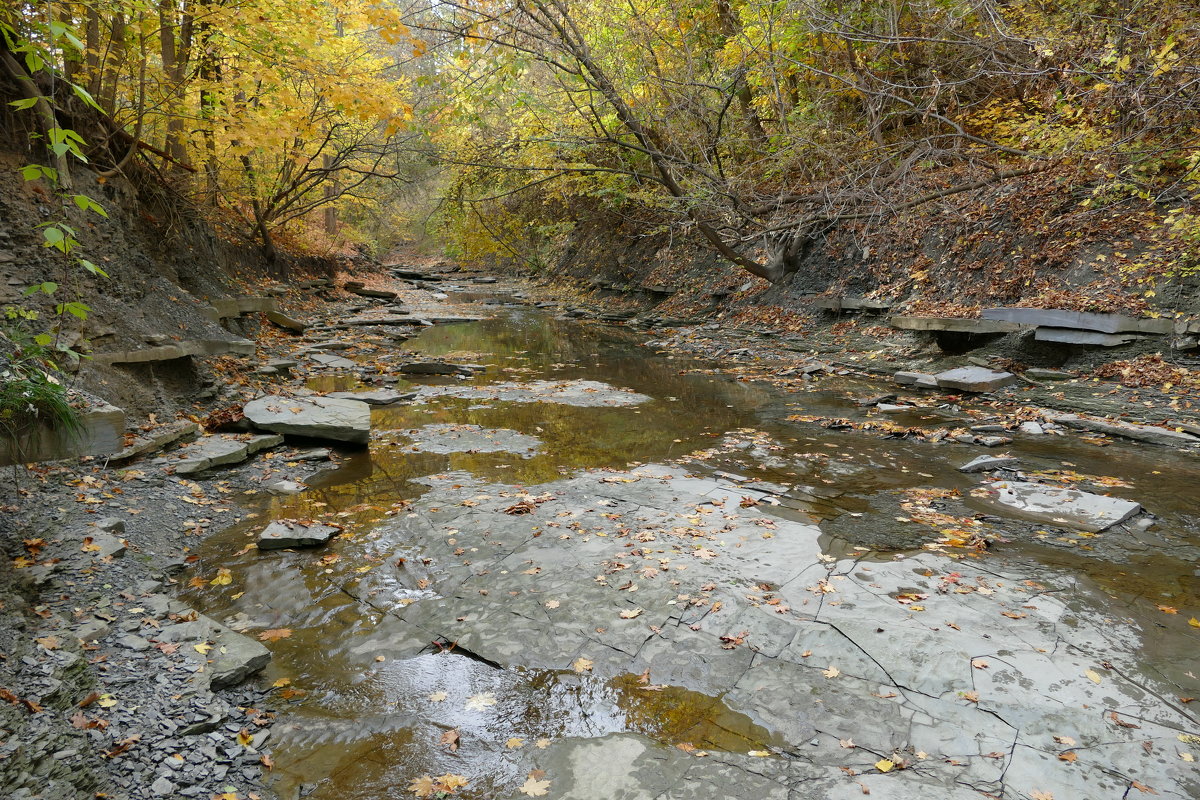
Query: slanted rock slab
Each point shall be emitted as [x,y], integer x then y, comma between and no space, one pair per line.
[332,418]
[209,452]
[375,397]
[975,379]
[987,463]
[1061,507]
[285,533]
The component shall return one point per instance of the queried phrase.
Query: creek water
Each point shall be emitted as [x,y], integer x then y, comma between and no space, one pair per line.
[356,718]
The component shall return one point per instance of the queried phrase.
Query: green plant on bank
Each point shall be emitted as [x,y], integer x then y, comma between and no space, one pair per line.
[30,392]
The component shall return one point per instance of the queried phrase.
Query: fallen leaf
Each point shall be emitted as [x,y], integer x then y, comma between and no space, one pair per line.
[1042,795]
[1168,609]
[832,672]
[107,701]
[1092,675]
[582,664]
[451,739]
[437,697]
[534,788]
[244,738]
[759,753]
[224,578]
[274,634]
[266,761]
[1141,787]
[885,765]
[49,642]
[450,782]
[847,743]
[514,743]
[542,744]
[1064,740]
[1068,755]
[631,613]
[552,604]
[478,702]
[422,786]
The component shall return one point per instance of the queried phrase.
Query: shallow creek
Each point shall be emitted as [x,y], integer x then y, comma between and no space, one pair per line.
[365,693]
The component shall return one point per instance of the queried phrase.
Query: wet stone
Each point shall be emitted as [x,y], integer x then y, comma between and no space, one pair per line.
[314,417]
[1058,506]
[288,533]
[375,397]
[470,439]
[989,463]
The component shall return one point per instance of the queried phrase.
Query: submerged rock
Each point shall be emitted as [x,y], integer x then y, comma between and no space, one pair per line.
[336,419]
[1053,505]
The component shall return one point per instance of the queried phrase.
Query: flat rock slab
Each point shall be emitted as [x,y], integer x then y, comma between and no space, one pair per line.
[953,325]
[282,534]
[356,287]
[1039,374]
[282,320]
[1071,336]
[332,361]
[571,393]
[470,439]
[375,397]
[331,418]
[1061,507]
[975,379]
[157,439]
[1081,320]
[231,658]
[1130,430]
[434,368]
[221,450]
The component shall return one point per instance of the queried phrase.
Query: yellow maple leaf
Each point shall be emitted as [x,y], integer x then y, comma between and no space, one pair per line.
[885,765]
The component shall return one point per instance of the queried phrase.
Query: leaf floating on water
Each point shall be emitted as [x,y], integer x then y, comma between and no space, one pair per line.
[224,578]
[533,787]
[437,697]
[1195,623]
[542,744]
[422,786]
[450,782]
[759,753]
[478,702]
[514,743]
[451,739]
[274,634]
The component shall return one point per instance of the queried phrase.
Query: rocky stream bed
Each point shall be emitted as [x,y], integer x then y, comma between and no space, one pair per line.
[505,553]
